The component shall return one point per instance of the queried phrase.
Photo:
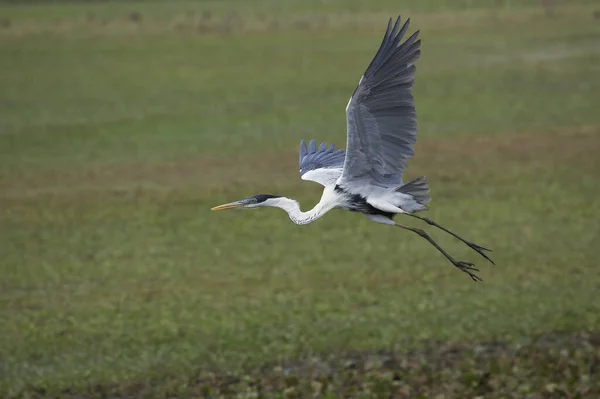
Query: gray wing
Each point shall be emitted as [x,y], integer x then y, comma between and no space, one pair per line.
[322,165]
[381,118]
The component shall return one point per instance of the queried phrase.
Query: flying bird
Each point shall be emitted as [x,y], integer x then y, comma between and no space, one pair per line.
[381,131]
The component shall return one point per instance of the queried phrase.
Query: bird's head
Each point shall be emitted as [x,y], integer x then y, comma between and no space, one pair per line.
[260,200]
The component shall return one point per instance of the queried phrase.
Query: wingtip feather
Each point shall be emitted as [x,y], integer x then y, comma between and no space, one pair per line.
[302,148]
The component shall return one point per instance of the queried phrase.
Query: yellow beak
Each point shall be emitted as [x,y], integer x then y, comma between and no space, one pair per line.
[231,205]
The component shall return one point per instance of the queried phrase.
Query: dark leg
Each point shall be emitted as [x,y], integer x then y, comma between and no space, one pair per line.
[464,266]
[477,248]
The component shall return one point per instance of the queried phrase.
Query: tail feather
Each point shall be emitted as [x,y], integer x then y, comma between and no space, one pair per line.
[419,191]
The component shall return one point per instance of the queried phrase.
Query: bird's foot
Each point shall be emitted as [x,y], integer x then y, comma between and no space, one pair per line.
[468,268]
[480,250]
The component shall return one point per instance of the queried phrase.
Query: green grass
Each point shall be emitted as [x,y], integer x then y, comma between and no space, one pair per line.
[119,132]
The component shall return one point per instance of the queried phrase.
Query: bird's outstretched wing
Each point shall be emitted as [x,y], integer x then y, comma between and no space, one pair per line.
[322,165]
[381,117]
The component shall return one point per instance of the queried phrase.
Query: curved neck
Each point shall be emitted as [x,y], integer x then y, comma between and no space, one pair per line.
[296,215]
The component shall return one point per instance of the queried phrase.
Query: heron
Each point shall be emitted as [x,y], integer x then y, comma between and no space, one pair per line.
[366,177]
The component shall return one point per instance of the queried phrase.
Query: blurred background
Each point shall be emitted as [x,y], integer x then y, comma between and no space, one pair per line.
[123,122]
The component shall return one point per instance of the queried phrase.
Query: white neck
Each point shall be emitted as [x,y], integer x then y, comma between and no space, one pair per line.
[327,202]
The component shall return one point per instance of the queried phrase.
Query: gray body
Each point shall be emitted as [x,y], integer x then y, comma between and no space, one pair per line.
[381,130]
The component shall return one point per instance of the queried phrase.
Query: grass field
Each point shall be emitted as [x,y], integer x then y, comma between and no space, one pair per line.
[122,123]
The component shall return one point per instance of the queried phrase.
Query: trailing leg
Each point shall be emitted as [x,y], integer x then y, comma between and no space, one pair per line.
[477,248]
[466,267]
